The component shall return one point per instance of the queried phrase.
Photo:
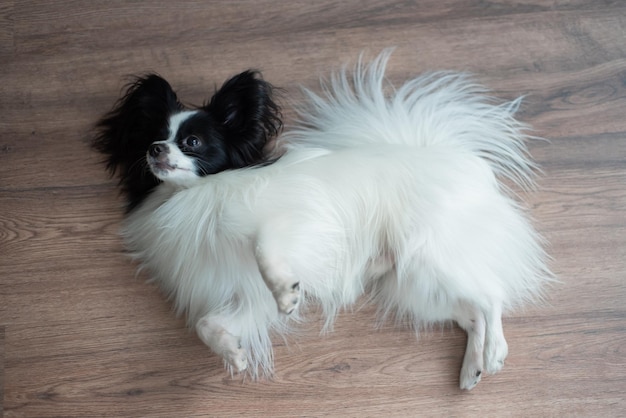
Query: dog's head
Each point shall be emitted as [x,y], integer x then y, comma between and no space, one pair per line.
[150,137]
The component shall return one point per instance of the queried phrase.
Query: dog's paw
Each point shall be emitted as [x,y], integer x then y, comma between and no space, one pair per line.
[470,376]
[288,298]
[237,358]
[495,354]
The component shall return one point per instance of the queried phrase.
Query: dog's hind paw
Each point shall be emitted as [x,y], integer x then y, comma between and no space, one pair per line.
[495,354]
[288,298]
[470,376]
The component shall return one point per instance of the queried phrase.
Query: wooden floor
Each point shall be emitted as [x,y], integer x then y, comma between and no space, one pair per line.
[80,335]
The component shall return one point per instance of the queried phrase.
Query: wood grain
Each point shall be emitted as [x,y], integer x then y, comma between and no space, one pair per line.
[81,335]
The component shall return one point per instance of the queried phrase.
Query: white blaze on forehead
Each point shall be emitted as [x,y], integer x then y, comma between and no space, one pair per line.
[176,120]
[181,169]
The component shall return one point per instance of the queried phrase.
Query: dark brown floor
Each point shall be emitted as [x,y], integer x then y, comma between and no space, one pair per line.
[80,336]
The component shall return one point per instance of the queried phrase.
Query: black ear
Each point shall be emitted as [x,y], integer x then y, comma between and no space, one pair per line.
[124,134]
[247,116]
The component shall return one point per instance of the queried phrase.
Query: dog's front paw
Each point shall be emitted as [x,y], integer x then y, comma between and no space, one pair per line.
[237,358]
[288,298]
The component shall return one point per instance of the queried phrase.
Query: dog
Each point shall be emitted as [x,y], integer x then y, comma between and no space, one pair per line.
[402,195]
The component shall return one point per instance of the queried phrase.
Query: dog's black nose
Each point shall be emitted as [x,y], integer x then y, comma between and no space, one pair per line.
[157,149]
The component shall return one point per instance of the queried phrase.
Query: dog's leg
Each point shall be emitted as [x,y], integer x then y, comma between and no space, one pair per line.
[496,348]
[472,320]
[213,333]
[279,278]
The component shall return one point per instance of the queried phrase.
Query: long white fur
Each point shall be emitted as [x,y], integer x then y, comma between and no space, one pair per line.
[390,193]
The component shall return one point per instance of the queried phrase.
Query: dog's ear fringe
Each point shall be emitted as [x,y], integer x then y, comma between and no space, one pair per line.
[124,133]
[250,117]
[147,99]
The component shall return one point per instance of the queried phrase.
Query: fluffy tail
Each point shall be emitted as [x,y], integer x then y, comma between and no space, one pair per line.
[445,109]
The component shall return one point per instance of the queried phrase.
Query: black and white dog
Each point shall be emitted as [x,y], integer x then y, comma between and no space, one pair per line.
[397,196]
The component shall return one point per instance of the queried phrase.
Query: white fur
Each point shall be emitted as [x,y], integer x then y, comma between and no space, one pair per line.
[394,196]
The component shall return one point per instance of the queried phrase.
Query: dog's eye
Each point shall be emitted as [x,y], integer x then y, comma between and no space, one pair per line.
[192,141]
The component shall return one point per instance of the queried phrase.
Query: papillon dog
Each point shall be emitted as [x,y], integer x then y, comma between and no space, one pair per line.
[394,196]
